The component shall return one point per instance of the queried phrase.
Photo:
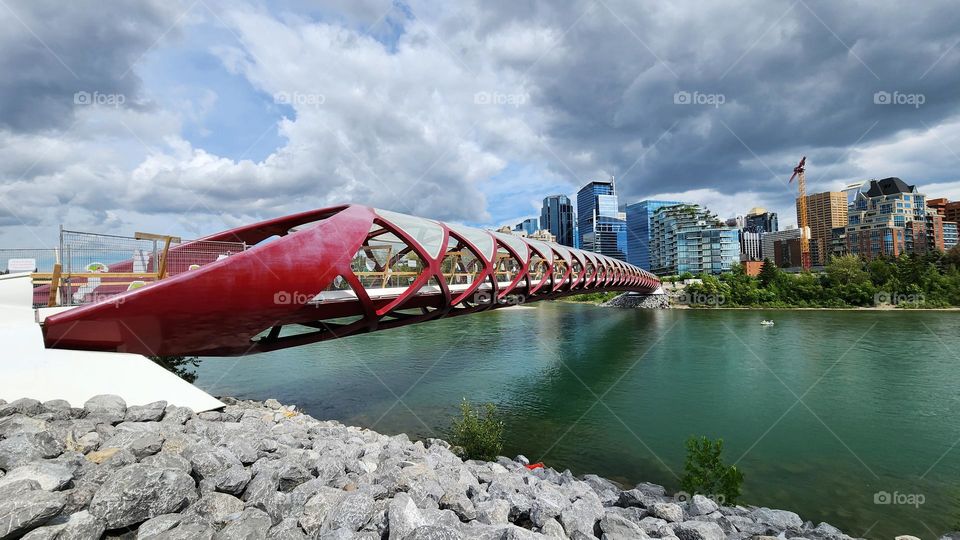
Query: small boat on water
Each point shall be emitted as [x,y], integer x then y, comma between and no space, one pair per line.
[766,323]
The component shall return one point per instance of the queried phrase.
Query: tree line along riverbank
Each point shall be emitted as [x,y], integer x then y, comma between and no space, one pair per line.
[930,281]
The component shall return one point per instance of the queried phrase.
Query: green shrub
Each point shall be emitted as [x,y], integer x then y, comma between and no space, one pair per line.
[178,365]
[480,435]
[706,474]
[597,297]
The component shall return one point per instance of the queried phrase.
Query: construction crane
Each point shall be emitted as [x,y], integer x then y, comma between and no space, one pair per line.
[798,173]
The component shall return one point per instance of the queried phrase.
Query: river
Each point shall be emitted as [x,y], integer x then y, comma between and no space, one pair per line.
[848,417]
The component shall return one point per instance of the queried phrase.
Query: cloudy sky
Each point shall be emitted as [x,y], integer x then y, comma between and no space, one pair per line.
[190,117]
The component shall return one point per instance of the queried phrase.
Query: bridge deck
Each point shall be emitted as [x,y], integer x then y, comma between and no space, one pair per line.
[247,286]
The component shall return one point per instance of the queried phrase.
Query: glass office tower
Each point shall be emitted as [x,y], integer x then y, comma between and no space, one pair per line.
[556,216]
[638,220]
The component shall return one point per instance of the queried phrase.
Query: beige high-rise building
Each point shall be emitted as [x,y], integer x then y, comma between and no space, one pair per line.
[824,212]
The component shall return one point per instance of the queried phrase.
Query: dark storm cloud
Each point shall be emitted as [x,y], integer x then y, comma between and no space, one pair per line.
[796,78]
[53,50]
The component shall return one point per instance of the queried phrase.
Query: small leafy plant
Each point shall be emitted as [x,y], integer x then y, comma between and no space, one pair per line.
[706,474]
[479,434]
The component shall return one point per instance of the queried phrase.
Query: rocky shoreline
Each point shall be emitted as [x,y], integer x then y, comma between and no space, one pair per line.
[639,301]
[264,470]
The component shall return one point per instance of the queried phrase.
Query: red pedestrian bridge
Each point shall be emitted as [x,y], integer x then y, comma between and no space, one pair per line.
[309,277]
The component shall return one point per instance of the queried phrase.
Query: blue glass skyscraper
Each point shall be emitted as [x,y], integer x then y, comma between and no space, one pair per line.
[588,205]
[556,216]
[529,226]
[761,221]
[600,227]
[638,230]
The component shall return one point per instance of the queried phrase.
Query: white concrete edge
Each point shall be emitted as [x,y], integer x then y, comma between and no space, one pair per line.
[30,370]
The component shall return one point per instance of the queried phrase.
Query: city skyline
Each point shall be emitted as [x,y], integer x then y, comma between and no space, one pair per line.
[787,217]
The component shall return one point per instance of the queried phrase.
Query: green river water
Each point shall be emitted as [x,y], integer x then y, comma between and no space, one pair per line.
[825,412]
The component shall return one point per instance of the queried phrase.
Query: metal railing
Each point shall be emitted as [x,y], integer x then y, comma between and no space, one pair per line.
[27,260]
[91,267]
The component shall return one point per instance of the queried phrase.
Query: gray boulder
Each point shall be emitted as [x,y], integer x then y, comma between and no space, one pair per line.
[581,517]
[653,490]
[167,460]
[244,449]
[434,532]
[318,509]
[27,406]
[151,412]
[26,447]
[264,484]
[251,524]
[85,444]
[291,474]
[13,489]
[27,510]
[288,529]
[667,511]
[187,531]
[215,508]
[278,506]
[460,504]
[160,524]
[79,498]
[617,527]
[76,526]
[138,492]
[233,480]
[106,407]
[825,530]
[653,525]
[49,475]
[16,424]
[779,519]
[553,529]
[351,512]
[699,530]
[209,461]
[177,415]
[636,497]
[56,405]
[548,503]
[608,492]
[493,512]
[140,444]
[403,516]
[701,506]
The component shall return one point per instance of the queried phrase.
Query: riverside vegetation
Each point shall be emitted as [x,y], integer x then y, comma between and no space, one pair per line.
[480,436]
[264,470]
[909,281]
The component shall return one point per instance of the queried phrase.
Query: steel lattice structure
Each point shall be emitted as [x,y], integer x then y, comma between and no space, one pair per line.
[331,273]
